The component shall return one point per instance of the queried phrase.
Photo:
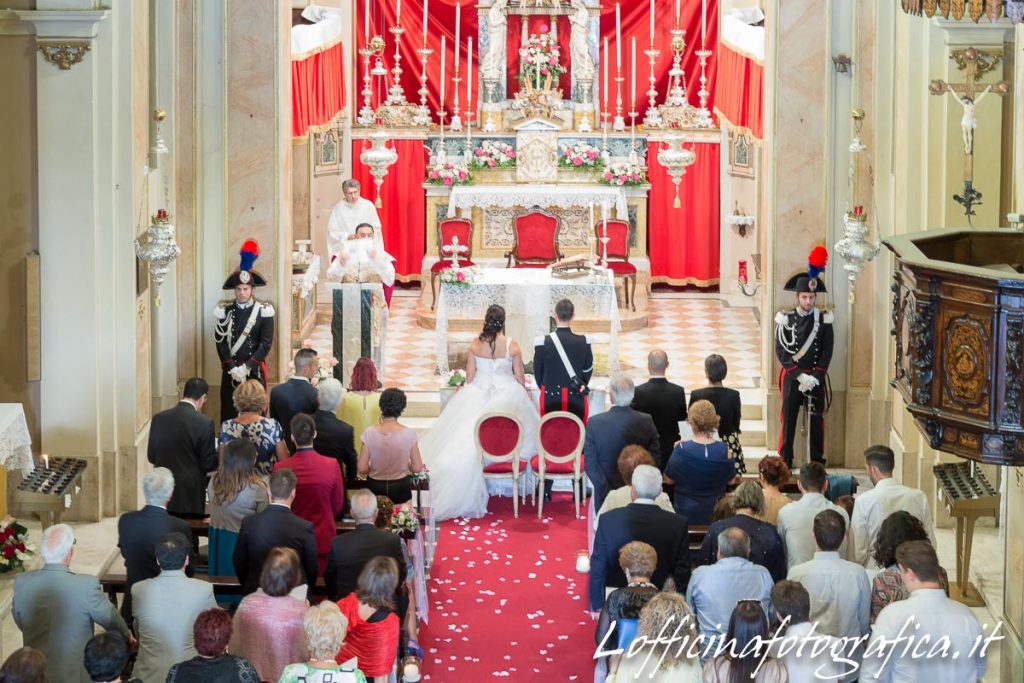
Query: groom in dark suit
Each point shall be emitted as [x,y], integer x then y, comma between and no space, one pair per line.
[557,390]
[664,401]
[295,396]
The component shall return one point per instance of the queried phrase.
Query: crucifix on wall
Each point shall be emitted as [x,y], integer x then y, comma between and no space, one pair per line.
[973,64]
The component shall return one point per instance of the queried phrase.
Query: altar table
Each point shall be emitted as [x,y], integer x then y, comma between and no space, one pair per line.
[359,322]
[529,296]
[546,196]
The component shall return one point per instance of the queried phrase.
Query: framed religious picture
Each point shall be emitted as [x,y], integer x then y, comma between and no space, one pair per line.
[741,154]
[326,153]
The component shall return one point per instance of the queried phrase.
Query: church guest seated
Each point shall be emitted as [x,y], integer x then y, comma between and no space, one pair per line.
[334,437]
[745,661]
[839,590]
[165,609]
[932,618]
[360,406]
[663,662]
[265,433]
[385,510]
[887,496]
[773,473]
[372,622]
[106,656]
[295,396]
[630,458]
[664,401]
[57,610]
[641,520]
[792,606]
[700,468]
[351,552]
[235,492]
[25,665]
[213,664]
[887,586]
[390,451]
[138,533]
[319,490]
[638,561]
[728,407]
[766,548]
[724,508]
[325,630]
[796,521]
[267,628]
[715,589]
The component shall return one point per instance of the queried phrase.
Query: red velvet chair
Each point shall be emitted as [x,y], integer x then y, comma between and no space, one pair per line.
[446,229]
[498,439]
[536,239]
[560,439]
[618,255]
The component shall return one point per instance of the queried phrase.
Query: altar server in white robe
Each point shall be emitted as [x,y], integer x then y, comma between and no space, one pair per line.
[348,214]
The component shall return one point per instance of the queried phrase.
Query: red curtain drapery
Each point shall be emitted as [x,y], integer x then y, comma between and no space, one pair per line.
[318,89]
[403,200]
[739,99]
[683,243]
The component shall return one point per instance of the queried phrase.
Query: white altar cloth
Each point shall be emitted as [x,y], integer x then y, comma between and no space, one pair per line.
[529,296]
[561,196]
[15,440]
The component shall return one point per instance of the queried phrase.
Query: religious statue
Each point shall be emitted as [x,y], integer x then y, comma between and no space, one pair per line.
[582,63]
[495,57]
[969,121]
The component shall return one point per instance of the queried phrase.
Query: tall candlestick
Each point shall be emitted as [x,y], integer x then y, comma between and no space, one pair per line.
[632,74]
[458,28]
[703,22]
[444,76]
[604,90]
[398,12]
[652,21]
[469,74]
[425,3]
[366,20]
[618,40]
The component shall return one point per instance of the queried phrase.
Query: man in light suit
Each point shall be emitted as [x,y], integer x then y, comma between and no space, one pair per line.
[181,439]
[610,432]
[295,396]
[57,609]
[165,609]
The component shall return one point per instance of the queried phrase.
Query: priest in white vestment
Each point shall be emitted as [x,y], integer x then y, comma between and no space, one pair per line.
[359,259]
[349,214]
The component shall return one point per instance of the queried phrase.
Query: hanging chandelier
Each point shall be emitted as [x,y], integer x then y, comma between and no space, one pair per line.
[158,249]
[675,158]
[378,156]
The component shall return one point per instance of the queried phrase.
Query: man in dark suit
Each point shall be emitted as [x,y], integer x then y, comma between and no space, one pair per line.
[558,391]
[641,520]
[138,533]
[276,526]
[664,401]
[334,436]
[351,551]
[610,432]
[181,439]
[295,396]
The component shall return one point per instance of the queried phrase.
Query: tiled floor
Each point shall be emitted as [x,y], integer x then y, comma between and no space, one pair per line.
[688,328]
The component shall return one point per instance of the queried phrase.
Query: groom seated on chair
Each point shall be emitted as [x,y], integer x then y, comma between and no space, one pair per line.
[360,260]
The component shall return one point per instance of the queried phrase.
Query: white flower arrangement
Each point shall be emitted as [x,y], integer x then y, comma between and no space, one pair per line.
[492,154]
[579,155]
[540,57]
[623,174]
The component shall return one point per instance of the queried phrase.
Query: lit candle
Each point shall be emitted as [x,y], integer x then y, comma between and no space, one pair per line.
[604,90]
[632,75]
[366,20]
[425,3]
[469,74]
[444,76]
[703,22]
[618,41]
[46,461]
[398,14]
[652,22]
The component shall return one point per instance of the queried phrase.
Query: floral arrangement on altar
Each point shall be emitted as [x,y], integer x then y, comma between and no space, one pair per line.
[404,519]
[579,155]
[459,277]
[456,378]
[491,154]
[14,547]
[448,173]
[540,57]
[624,174]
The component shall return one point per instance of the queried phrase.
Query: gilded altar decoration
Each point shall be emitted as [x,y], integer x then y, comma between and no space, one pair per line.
[537,160]
[64,55]
[539,71]
[966,364]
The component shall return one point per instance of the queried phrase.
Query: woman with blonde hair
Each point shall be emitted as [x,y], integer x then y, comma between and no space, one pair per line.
[235,492]
[638,561]
[664,660]
[250,399]
[700,468]
[325,628]
[766,546]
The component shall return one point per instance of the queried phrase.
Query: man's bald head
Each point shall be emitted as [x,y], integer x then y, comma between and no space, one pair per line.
[657,362]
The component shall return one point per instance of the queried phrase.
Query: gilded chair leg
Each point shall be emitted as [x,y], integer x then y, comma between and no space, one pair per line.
[433,290]
[632,301]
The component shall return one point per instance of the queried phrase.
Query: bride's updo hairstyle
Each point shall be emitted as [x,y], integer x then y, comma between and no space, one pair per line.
[494,324]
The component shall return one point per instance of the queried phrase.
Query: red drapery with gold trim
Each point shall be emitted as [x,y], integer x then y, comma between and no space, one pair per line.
[403,202]
[739,99]
[683,242]
[318,89]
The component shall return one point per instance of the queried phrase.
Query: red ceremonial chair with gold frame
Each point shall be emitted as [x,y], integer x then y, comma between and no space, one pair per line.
[535,235]
[446,229]
[618,255]
[560,437]
[499,437]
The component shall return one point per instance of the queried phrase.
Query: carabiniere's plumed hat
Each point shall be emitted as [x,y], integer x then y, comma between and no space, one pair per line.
[245,275]
[810,282]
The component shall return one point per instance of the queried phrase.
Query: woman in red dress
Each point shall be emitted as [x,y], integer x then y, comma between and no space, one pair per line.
[372,622]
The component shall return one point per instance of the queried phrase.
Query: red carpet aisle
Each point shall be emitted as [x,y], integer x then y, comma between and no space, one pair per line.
[506,601]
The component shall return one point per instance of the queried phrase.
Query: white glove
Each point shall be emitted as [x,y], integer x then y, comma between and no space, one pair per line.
[807,382]
[336,271]
[239,373]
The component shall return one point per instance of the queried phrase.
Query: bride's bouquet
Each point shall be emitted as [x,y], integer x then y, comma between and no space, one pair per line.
[459,277]
[456,378]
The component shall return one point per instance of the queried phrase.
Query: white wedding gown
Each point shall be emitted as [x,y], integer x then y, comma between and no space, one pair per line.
[457,485]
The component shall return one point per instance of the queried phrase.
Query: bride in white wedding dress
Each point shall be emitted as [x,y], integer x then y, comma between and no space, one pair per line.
[495,383]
